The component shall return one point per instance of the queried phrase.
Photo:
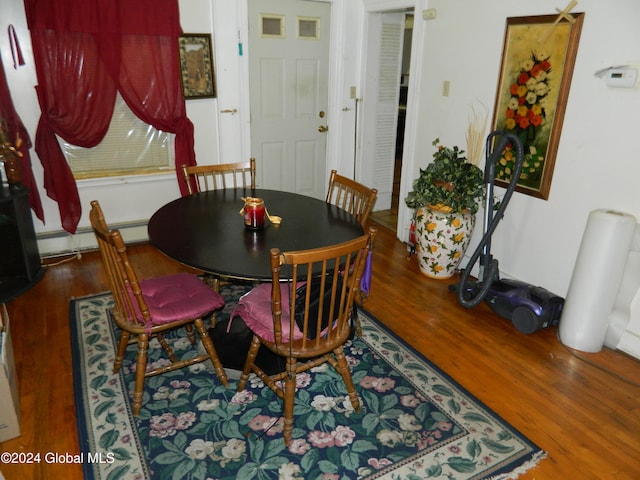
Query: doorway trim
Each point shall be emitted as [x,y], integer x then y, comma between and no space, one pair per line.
[375,7]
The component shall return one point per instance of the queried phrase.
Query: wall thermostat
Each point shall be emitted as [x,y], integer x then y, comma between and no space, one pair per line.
[624,77]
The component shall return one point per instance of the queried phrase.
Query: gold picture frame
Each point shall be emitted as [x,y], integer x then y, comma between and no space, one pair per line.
[538,56]
[196,66]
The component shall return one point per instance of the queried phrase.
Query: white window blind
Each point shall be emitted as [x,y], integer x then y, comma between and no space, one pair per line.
[130,147]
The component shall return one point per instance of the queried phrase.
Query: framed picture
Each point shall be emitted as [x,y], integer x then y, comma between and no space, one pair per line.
[537,65]
[196,66]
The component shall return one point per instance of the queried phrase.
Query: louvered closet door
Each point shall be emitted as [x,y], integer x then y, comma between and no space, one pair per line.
[380,113]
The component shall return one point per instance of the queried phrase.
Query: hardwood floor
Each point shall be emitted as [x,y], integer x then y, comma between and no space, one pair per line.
[386,218]
[575,406]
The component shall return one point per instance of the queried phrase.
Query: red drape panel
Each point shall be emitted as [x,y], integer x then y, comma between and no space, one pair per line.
[15,128]
[77,98]
[85,51]
[159,103]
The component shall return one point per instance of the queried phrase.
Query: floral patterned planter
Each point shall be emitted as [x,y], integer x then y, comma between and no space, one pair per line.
[441,240]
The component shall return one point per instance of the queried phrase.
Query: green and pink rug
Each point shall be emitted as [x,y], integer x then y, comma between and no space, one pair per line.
[416,422]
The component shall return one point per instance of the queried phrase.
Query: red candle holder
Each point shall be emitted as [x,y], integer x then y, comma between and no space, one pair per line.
[254,213]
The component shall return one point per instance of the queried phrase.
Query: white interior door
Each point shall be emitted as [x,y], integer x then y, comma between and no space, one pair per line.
[288,67]
[380,103]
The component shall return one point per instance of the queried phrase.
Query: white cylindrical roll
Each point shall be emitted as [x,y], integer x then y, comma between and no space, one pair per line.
[595,280]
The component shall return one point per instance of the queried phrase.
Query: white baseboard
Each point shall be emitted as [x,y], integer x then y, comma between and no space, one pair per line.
[61,242]
[630,343]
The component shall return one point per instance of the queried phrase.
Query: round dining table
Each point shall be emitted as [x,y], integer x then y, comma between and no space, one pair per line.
[206,230]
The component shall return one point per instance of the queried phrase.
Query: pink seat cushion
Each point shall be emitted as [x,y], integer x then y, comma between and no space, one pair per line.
[177,297]
[255,309]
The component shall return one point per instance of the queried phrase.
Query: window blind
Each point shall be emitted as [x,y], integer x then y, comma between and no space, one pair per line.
[130,147]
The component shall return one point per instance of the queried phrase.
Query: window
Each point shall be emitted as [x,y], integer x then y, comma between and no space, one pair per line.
[130,147]
[308,28]
[272,26]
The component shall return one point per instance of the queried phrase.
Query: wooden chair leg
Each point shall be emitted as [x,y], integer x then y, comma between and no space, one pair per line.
[214,282]
[289,399]
[358,324]
[211,350]
[190,335]
[122,347]
[248,363]
[141,367]
[168,350]
[343,369]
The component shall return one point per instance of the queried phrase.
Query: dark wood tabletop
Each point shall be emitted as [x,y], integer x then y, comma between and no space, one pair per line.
[206,231]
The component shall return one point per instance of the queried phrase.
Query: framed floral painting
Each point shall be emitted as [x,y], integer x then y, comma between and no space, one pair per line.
[537,65]
[196,66]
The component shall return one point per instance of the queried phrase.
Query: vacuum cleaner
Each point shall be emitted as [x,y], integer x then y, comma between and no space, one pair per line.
[529,307]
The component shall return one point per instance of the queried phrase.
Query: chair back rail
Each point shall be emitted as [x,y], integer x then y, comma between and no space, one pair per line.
[354,197]
[200,178]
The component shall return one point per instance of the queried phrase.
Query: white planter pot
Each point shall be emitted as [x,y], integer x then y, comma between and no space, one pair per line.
[441,240]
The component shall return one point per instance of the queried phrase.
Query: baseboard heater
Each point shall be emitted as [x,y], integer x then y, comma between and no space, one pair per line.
[60,242]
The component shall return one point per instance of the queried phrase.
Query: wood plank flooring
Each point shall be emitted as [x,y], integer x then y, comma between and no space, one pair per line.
[583,409]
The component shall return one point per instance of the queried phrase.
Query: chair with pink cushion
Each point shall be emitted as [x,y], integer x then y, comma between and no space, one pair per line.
[304,316]
[148,308]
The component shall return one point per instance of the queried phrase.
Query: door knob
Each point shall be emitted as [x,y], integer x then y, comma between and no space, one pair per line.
[323,128]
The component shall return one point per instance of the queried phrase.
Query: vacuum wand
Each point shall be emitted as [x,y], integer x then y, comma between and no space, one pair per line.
[471,297]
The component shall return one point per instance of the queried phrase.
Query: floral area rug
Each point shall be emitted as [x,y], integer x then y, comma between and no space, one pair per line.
[415,422]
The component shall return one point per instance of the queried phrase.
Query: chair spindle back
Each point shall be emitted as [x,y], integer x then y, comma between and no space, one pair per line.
[200,178]
[122,277]
[322,311]
[355,198]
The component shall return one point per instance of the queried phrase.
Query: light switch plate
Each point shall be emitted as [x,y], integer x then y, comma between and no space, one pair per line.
[446,88]
[429,14]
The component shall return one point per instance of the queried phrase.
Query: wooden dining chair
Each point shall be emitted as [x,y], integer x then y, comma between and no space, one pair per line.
[355,198]
[304,316]
[200,178]
[146,308]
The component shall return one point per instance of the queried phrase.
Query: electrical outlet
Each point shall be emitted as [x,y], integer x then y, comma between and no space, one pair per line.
[352,92]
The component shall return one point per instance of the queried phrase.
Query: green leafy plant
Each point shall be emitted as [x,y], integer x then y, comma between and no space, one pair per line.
[448,183]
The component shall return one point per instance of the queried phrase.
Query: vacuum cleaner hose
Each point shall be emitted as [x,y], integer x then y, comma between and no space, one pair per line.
[490,272]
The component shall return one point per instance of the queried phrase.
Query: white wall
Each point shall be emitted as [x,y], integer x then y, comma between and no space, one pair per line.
[597,162]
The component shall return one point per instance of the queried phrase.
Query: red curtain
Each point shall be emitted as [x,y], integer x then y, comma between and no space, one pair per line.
[85,52]
[15,129]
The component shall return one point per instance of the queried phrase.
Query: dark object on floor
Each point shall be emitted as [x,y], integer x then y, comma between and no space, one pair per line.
[232,347]
[529,308]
